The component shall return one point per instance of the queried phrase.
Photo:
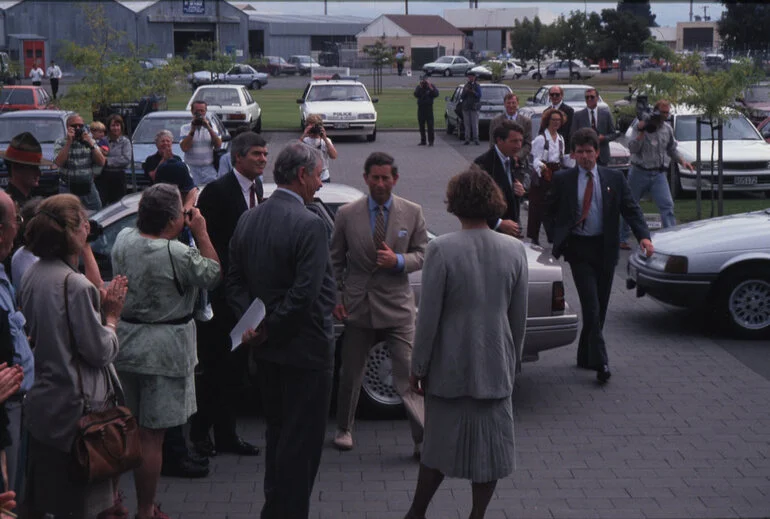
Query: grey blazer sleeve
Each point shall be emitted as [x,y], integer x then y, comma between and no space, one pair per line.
[339,251]
[96,344]
[517,309]
[431,300]
[237,291]
[413,259]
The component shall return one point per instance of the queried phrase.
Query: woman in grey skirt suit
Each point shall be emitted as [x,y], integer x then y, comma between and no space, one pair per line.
[468,344]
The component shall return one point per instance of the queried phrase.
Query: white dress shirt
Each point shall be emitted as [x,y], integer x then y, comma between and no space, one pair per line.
[246,184]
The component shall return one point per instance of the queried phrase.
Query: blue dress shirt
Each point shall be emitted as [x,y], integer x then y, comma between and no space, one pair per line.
[22,353]
[386,213]
[593,225]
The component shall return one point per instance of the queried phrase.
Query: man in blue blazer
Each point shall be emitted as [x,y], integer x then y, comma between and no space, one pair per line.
[583,210]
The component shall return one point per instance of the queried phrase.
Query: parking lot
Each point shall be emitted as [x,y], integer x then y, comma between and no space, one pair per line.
[681,430]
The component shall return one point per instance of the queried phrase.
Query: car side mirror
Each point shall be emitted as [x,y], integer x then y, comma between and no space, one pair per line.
[375,100]
[300,101]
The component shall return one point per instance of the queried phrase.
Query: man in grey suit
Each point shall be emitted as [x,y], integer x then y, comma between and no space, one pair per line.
[600,121]
[279,253]
[512,113]
[377,241]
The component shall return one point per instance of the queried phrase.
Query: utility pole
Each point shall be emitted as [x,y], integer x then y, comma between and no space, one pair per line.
[406,6]
[690,10]
[325,11]
[705,13]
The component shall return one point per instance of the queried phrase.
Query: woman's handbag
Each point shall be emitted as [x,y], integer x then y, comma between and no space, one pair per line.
[107,442]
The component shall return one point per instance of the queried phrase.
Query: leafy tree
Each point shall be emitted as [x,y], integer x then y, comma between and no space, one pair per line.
[743,25]
[640,8]
[623,31]
[529,40]
[205,55]
[382,54]
[567,37]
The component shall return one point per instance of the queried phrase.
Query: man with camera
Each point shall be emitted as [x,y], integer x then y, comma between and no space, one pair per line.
[198,144]
[425,93]
[76,155]
[652,146]
[315,137]
[470,101]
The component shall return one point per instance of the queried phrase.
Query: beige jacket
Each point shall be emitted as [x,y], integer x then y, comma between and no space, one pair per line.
[375,297]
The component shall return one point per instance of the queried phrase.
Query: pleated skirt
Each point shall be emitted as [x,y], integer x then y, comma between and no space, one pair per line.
[469,438]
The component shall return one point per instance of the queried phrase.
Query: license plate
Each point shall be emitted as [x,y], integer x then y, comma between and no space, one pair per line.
[745,181]
[342,126]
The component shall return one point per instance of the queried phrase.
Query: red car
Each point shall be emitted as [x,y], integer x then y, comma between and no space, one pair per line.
[764,129]
[13,98]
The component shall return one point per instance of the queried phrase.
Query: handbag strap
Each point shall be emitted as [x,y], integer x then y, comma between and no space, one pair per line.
[177,284]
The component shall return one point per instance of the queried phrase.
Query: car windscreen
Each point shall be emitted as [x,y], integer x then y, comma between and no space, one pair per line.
[45,129]
[757,94]
[493,95]
[444,59]
[574,95]
[304,59]
[337,93]
[17,96]
[735,128]
[147,130]
[219,96]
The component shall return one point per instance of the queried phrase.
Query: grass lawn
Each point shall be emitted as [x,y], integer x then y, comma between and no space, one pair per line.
[397,107]
[685,209]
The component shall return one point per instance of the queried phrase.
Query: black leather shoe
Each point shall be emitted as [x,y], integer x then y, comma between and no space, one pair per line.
[238,446]
[205,447]
[184,468]
[421,144]
[197,459]
[603,374]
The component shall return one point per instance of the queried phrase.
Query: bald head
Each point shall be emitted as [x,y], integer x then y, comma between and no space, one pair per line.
[8,226]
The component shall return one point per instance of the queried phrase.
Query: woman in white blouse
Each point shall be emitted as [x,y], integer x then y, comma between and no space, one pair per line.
[548,157]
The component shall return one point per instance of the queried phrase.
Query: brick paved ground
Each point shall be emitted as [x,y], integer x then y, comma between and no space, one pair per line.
[681,431]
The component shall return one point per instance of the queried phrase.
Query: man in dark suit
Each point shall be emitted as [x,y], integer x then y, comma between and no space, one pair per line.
[294,345]
[584,206]
[510,171]
[556,96]
[599,120]
[221,204]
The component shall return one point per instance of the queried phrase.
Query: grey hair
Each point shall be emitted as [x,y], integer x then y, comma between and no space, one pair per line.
[293,157]
[164,133]
[160,203]
[243,142]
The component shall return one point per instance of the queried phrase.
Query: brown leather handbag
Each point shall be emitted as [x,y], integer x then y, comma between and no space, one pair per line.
[107,441]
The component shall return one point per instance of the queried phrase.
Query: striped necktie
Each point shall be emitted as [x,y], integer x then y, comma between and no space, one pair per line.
[379,227]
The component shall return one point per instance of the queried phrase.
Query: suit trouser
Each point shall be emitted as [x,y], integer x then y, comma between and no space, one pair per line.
[593,280]
[471,125]
[54,86]
[425,117]
[356,343]
[536,210]
[296,406]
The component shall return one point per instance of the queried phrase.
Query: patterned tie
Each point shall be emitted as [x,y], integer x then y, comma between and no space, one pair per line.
[507,164]
[588,196]
[379,227]
[252,196]
[593,121]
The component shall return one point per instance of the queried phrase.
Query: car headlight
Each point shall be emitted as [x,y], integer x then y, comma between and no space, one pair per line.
[367,116]
[618,161]
[667,263]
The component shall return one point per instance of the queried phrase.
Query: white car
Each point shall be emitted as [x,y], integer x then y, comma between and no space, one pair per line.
[720,263]
[304,64]
[232,103]
[448,66]
[561,70]
[574,96]
[344,106]
[510,69]
[745,159]
[237,75]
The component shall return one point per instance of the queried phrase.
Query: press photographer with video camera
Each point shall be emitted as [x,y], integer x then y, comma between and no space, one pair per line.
[76,155]
[652,146]
[199,140]
[315,136]
[425,92]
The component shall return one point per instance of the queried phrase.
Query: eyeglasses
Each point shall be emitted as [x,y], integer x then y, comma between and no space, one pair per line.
[590,97]
[78,125]
[554,94]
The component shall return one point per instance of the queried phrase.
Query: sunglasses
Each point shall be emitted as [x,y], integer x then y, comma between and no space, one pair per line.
[555,94]
[77,125]
[590,97]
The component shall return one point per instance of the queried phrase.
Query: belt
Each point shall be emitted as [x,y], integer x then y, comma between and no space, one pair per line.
[182,320]
[17,398]
[659,168]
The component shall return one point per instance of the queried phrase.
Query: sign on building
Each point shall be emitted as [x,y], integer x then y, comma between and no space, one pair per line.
[194,6]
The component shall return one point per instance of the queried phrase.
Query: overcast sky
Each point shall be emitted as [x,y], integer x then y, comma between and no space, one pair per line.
[668,13]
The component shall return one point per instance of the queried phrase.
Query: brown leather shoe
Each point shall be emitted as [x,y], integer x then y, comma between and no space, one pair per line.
[343,440]
[625,246]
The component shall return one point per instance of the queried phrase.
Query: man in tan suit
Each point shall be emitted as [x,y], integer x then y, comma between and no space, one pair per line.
[512,113]
[377,241]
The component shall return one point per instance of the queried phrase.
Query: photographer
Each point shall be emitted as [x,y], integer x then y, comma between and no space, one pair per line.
[425,93]
[652,146]
[76,155]
[198,144]
[315,136]
[470,101]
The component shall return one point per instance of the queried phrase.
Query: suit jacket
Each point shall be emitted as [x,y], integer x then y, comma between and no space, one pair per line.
[604,126]
[521,119]
[376,297]
[566,128]
[279,253]
[490,162]
[563,212]
[222,204]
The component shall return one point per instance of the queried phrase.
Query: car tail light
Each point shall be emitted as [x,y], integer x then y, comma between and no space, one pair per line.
[237,117]
[557,297]
[155,106]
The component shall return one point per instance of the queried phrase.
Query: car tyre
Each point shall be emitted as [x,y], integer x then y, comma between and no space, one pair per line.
[372,137]
[537,76]
[576,75]
[744,301]
[379,398]
[258,126]
[255,85]
[427,73]
[447,73]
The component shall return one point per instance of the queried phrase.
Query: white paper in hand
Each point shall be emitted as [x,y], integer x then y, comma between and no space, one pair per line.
[250,320]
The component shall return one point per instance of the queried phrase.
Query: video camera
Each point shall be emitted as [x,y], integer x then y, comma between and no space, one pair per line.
[316,129]
[651,116]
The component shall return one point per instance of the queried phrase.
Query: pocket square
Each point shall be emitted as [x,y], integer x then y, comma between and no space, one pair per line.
[402,233]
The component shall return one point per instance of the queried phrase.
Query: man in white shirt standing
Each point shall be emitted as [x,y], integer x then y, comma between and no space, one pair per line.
[36,74]
[54,74]
[199,140]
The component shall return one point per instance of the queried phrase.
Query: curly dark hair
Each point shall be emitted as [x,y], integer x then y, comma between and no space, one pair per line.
[545,119]
[474,195]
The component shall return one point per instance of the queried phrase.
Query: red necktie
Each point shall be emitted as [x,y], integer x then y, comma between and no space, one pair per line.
[593,120]
[252,196]
[588,196]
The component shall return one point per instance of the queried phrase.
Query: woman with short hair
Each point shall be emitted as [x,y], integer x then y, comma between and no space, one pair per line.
[72,345]
[112,182]
[164,140]
[468,345]
[156,329]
